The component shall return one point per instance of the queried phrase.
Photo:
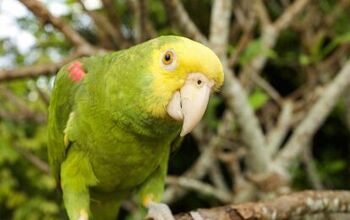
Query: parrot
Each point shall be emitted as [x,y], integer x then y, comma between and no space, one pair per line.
[115,118]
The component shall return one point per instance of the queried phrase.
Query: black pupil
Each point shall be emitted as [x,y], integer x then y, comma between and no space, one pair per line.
[167,57]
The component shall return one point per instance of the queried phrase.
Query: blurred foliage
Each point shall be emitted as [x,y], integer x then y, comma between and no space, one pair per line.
[26,192]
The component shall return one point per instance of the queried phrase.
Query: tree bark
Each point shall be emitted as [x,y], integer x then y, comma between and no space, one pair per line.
[283,207]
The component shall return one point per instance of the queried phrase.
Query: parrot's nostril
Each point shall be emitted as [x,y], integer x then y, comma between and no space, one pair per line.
[199,82]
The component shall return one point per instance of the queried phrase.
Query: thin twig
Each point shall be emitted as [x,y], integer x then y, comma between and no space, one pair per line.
[311,169]
[196,171]
[314,118]
[270,33]
[217,177]
[243,189]
[200,187]
[262,13]
[146,22]
[143,28]
[110,7]
[105,30]
[44,14]
[33,159]
[242,43]
[254,67]
[289,14]
[44,96]
[180,17]
[276,136]
[24,112]
[138,28]
[347,107]
[41,69]
[266,86]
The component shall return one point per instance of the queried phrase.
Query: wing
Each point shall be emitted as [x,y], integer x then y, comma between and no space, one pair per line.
[61,106]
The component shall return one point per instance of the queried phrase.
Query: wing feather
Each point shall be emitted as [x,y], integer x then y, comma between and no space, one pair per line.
[61,106]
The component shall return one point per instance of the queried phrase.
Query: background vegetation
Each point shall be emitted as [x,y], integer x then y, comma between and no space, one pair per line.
[280,124]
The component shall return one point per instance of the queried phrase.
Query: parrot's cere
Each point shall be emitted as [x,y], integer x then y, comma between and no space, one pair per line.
[115,118]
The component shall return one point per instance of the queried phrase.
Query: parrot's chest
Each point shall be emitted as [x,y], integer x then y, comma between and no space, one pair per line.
[123,166]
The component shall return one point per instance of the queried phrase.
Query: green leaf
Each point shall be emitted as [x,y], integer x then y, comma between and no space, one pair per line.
[258,99]
[344,38]
[254,49]
[7,153]
[335,166]
[304,59]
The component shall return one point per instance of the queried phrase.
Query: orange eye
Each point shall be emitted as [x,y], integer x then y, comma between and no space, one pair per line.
[168,57]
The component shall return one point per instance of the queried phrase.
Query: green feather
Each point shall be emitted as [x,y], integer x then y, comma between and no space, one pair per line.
[115,146]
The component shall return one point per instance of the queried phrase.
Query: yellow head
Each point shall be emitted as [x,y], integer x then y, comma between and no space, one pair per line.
[184,74]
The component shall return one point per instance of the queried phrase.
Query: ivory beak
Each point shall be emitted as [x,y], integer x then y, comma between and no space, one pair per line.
[189,104]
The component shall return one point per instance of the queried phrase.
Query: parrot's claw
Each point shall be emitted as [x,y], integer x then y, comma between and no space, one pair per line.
[196,216]
[159,211]
[83,215]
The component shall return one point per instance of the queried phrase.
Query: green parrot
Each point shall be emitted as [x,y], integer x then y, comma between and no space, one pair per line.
[114,118]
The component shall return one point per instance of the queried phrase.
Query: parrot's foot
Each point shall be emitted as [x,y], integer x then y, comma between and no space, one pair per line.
[83,215]
[159,211]
[196,216]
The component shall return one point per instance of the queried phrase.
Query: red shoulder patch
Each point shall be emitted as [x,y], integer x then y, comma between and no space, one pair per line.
[76,72]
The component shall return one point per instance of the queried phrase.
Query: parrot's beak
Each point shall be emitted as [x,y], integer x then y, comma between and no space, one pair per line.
[189,104]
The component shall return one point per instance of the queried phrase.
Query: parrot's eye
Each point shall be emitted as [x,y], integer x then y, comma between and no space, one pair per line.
[169,60]
[168,57]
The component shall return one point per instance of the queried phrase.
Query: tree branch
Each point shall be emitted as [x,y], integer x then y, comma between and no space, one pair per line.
[279,132]
[200,187]
[41,12]
[200,168]
[266,86]
[33,159]
[237,100]
[233,91]
[113,17]
[242,42]
[270,33]
[143,28]
[261,13]
[268,40]
[287,17]
[314,118]
[347,108]
[219,27]
[106,32]
[217,177]
[197,171]
[21,111]
[182,20]
[235,96]
[310,168]
[284,207]
[36,70]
